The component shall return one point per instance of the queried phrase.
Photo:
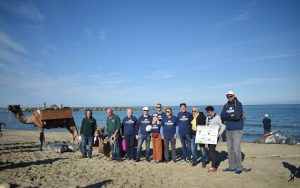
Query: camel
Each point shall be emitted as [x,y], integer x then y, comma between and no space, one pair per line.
[35,119]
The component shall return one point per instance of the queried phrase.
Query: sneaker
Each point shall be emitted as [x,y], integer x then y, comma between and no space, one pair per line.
[238,171]
[212,169]
[84,156]
[137,160]
[148,160]
[194,163]
[228,170]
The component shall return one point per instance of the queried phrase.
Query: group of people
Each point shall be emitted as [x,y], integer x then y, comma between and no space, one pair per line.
[164,128]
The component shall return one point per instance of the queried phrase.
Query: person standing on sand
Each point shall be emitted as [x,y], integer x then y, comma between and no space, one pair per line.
[168,131]
[267,124]
[128,125]
[113,129]
[198,118]
[184,124]
[160,115]
[87,130]
[232,117]
[156,139]
[213,118]
[143,135]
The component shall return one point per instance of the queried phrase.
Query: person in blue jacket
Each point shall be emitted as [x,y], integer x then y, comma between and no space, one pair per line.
[128,126]
[184,124]
[143,135]
[168,131]
[232,117]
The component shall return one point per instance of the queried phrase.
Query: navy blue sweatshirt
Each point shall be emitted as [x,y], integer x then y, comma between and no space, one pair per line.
[129,124]
[142,123]
[160,115]
[169,127]
[155,128]
[184,123]
[232,115]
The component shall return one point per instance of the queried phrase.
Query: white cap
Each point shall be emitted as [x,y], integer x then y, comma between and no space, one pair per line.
[266,115]
[146,108]
[230,93]
[154,115]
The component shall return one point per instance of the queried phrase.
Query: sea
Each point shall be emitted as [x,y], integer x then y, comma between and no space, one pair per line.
[285,118]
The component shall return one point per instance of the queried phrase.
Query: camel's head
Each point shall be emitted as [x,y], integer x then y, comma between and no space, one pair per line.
[14,108]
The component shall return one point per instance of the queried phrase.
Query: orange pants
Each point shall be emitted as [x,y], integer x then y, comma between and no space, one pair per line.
[157,148]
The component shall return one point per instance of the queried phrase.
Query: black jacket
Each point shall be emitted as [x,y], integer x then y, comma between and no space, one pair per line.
[201,120]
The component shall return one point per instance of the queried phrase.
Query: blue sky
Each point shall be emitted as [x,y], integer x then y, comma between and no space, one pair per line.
[119,53]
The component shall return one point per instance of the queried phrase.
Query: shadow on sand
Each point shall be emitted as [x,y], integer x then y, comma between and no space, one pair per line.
[26,164]
[99,184]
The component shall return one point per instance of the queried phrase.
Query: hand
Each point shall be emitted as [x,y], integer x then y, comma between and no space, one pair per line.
[123,136]
[162,137]
[174,137]
[137,137]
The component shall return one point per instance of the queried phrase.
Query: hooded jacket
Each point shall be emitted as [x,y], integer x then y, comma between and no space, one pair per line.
[232,115]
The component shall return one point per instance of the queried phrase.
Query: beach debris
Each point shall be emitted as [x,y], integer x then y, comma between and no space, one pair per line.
[61,146]
[276,137]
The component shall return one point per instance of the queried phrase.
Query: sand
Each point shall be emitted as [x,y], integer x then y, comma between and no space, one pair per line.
[22,164]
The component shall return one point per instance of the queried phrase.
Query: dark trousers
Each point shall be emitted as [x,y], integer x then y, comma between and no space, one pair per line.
[212,153]
[173,149]
[186,147]
[129,146]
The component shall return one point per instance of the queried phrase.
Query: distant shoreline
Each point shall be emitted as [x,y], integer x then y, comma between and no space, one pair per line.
[123,108]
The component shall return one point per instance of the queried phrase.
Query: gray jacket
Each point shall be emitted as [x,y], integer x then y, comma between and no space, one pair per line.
[216,120]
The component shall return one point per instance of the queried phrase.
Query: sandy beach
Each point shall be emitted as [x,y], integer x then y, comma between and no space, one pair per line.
[22,164]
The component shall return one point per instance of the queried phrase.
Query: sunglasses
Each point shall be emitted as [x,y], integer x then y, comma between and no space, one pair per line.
[229,96]
[168,111]
[194,111]
[158,107]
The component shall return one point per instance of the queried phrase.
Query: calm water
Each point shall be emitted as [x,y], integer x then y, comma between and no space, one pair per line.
[285,118]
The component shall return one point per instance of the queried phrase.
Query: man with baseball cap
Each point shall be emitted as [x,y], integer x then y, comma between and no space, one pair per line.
[142,134]
[232,117]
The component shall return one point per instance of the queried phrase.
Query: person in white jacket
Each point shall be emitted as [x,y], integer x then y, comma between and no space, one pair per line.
[213,119]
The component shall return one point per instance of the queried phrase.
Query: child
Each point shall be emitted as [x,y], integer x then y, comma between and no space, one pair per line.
[156,139]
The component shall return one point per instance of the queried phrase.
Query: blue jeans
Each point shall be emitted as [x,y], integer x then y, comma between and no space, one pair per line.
[115,147]
[87,140]
[186,147]
[234,149]
[140,143]
[129,146]
[194,151]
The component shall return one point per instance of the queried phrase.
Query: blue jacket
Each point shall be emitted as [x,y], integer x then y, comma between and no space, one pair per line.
[128,125]
[142,123]
[184,123]
[169,127]
[232,115]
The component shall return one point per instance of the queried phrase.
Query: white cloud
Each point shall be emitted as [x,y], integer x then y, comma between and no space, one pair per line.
[102,35]
[24,9]
[8,43]
[279,56]
[159,75]
[242,15]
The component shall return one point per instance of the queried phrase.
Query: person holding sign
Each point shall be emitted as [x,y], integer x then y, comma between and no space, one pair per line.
[197,119]
[168,131]
[232,115]
[213,119]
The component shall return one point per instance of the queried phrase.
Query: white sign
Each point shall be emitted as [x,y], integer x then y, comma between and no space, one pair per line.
[207,134]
